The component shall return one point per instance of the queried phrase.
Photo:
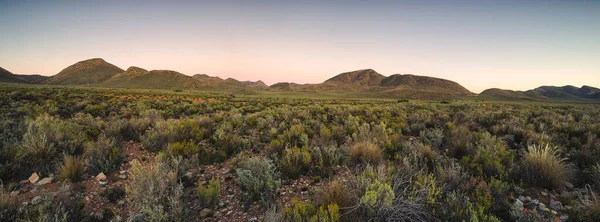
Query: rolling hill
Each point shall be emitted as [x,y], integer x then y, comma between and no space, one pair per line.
[87,72]
[567,92]
[365,77]
[9,77]
[135,77]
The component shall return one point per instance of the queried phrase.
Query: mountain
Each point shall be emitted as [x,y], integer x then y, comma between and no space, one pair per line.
[509,94]
[567,92]
[135,77]
[424,83]
[87,72]
[365,77]
[6,76]
[284,86]
[256,85]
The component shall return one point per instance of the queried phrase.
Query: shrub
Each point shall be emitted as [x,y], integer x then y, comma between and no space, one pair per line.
[365,153]
[171,131]
[103,155]
[154,191]
[335,193]
[432,137]
[304,212]
[8,207]
[184,149]
[542,166]
[295,161]
[325,160]
[490,158]
[210,193]
[596,175]
[378,195]
[113,194]
[72,168]
[459,141]
[256,177]
[37,149]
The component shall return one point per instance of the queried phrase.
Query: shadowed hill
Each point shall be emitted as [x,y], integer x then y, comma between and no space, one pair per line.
[509,94]
[365,77]
[256,85]
[6,76]
[567,92]
[424,82]
[87,72]
[136,77]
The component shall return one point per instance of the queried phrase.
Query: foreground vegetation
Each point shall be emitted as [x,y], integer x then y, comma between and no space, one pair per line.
[366,160]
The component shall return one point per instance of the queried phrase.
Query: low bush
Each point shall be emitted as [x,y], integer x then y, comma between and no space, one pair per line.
[489,158]
[378,195]
[155,192]
[295,161]
[326,159]
[8,206]
[112,194]
[335,193]
[210,193]
[38,152]
[542,166]
[103,155]
[365,153]
[72,168]
[257,178]
[305,212]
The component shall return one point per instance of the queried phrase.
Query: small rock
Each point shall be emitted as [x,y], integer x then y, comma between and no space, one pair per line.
[229,212]
[542,206]
[519,204]
[221,204]
[25,203]
[521,198]
[545,194]
[519,190]
[205,213]
[140,217]
[117,219]
[120,202]
[531,205]
[564,217]
[101,177]
[36,200]
[568,207]
[556,205]
[527,198]
[34,190]
[122,172]
[122,176]
[34,178]
[217,214]
[554,212]
[102,183]
[253,219]
[23,182]
[569,186]
[44,181]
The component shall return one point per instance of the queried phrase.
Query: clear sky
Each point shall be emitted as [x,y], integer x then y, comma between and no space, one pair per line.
[480,44]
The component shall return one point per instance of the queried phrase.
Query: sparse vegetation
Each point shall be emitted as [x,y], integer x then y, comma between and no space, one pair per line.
[543,166]
[72,168]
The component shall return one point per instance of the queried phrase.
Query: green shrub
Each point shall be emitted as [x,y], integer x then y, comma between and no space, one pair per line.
[542,166]
[365,153]
[8,206]
[432,137]
[490,157]
[210,193]
[37,149]
[305,212]
[184,149]
[459,141]
[72,168]
[112,194]
[256,177]
[326,159]
[103,155]
[154,191]
[171,131]
[295,161]
[378,195]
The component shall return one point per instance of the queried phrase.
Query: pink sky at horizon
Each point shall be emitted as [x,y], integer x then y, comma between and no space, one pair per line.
[480,45]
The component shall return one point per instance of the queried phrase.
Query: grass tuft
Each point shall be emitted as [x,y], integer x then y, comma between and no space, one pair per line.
[542,166]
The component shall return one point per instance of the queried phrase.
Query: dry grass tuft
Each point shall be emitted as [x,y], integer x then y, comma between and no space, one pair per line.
[72,168]
[543,166]
[365,152]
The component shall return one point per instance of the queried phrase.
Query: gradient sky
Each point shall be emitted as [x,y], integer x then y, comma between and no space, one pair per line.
[515,45]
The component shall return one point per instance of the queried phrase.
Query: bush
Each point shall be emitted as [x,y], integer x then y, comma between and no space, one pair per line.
[8,206]
[103,155]
[256,177]
[184,149]
[154,191]
[304,212]
[210,194]
[542,166]
[365,153]
[295,161]
[432,137]
[335,193]
[37,149]
[171,131]
[490,158]
[72,168]
[113,194]
[378,195]
[325,160]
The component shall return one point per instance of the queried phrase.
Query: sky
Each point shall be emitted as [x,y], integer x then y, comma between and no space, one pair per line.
[516,45]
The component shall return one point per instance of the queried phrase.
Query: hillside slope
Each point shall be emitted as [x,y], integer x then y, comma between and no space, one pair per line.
[567,92]
[135,77]
[87,72]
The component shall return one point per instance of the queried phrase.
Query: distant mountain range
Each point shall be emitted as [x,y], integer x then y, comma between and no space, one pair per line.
[367,82]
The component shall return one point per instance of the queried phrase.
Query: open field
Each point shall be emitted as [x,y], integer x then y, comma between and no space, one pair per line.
[196,155]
